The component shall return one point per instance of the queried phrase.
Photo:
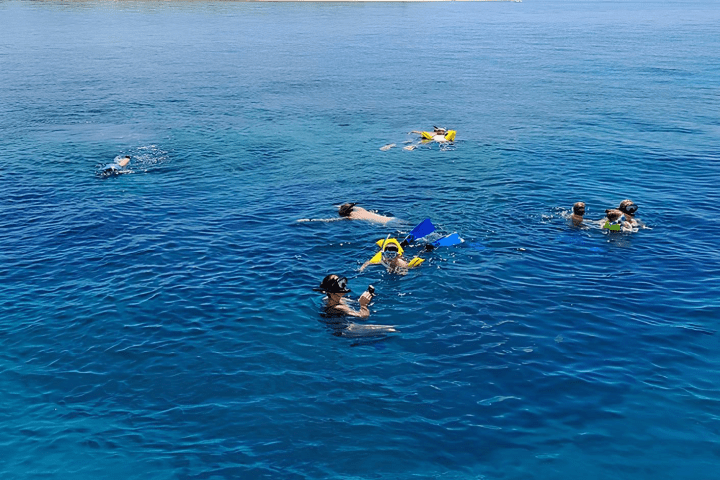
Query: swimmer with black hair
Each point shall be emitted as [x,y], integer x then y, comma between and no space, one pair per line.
[349,211]
[117,167]
[335,287]
[336,310]
[352,212]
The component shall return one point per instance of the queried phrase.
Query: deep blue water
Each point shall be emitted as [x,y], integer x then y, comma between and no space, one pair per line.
[162,324]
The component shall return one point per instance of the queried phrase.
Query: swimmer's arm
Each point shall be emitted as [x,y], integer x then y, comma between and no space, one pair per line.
[334,219]
[364,312]
[365,265]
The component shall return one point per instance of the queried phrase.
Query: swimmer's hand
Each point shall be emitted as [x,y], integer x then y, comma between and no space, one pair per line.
[365,299]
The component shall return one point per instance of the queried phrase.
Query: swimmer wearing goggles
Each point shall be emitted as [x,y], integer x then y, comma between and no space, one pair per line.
[335,287]
[629,208]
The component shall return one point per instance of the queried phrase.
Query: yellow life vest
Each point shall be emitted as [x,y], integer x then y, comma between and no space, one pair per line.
[449,136]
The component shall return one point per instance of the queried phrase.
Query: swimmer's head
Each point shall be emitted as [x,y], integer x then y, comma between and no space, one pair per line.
[124,160]
[390,251]
[439,131]
[579,208]
[627,206]
[333,284]
[346,209]
[613,214]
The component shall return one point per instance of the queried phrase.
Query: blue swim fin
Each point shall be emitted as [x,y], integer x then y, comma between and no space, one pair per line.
[449,241]
[423,229]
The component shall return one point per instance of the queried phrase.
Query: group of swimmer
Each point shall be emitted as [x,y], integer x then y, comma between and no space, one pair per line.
[391,256]
[620,219]
[334,286]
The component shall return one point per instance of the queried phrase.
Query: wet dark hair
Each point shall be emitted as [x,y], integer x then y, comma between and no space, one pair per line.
[346,209]
[577,207]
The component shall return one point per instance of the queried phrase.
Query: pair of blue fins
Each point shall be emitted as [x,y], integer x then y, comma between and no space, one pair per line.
[423,229]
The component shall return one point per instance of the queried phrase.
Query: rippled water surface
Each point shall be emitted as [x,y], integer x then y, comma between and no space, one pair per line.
[161,324]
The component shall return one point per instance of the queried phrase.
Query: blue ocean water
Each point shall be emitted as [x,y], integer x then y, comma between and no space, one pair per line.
[162,325]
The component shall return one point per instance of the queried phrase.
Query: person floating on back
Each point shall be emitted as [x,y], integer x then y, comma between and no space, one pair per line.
[438,134]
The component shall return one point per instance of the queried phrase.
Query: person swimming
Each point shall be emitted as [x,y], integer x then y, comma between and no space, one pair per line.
[352,212]
[628,208]
[117,167]
[335,287]
[615,221]
[392,259]
[348,211]
[438,134]
[578,212]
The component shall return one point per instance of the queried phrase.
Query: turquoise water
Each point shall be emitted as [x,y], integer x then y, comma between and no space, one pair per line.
[162,324]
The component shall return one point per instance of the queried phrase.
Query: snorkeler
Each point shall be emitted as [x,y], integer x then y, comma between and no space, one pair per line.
[615,221]
[438,134]
[578,212]
[351,212]
[335,288]
[391,256]
[348,211]
[629,208]
[117,167]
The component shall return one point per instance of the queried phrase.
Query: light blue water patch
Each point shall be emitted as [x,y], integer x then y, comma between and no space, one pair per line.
[161,324]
